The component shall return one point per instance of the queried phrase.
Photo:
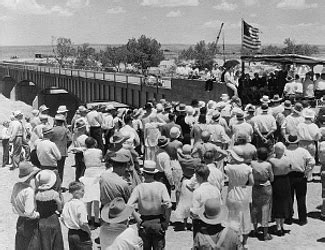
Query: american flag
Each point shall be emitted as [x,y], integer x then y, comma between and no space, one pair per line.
[250,39]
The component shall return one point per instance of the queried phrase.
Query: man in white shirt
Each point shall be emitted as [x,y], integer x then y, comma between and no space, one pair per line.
[298,87]
[108,125]
[289,87]
[95,121]
[301,164]
[16,138]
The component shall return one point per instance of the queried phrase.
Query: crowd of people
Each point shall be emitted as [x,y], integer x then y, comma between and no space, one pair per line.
[229,168]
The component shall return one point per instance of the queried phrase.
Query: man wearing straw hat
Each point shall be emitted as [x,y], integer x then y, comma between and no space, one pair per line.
[154,207]
[23,203]
[212,234]
[17,138]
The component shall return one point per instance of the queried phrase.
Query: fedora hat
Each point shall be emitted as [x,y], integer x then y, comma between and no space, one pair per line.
[59,117]
[174,133]
[181,107]
[186,149]
[119,157]
[45,179]
[159,107]
[235,156]
[309,114]
[82,109]
[292,139]
[212,212]
[163,141]
[118,137]
[215,115]
[287,104]
[62,109]
[298,108]
[149,167]
[47,129]
[116,211]
[240,115]
[276,98]
[27,170]
[42,108]
[189,110]
[167,105]
[264,107]
[265,99]
[250,108]
[43,117]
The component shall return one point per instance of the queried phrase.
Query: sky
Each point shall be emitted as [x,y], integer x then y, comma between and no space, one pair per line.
[38,22]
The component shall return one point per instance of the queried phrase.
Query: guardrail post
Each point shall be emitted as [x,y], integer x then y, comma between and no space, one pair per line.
[103,75]
[94,75]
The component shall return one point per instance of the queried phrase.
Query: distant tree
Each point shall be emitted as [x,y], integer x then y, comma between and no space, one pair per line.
[113,56]
[144,51]
[85,56]
[63,49]
[271,50]
[203,53]
[301,49]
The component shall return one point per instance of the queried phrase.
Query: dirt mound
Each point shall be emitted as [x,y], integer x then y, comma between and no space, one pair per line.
[7,106]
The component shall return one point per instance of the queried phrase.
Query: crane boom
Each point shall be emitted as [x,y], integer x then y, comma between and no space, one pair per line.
[219,33]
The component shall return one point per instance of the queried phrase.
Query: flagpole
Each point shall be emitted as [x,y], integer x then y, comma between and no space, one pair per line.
[242,48]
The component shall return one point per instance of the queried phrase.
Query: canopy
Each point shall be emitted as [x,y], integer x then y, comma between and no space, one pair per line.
[284,59]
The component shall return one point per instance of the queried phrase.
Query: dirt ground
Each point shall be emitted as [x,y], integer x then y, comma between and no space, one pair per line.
[310,236]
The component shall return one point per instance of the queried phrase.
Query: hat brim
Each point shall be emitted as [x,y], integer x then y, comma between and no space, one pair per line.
[294,142]
[163,145]
[50,184]
[176,136]
[296,111]
[149,172]
[111,140]
[180,110]
[33,173]
[62,111]
[217,220]
[277,100]
[264,101]
[123,216]
[235,156]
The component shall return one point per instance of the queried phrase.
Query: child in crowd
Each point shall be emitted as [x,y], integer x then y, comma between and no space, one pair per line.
[74,217]
[93,162]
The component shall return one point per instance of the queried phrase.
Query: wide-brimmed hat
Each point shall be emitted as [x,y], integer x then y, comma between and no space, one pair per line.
[287,104]
[119,157]
[265,99]
[118,137]
[186,149]
[292,139]
[59,117]
[212,212]
[235,156]
[174,132]
[80,123]
[189,110]
[62,109]
[250,108]
[42,108]
[116,211]
[47,130]
[220,106]
[298,108]
[159,107]
[163,141]
[289,78]
[27,170]
[215,115]
[240,115]
[45,179]
[82,109]
[224,97]
[17,113]
[148,105]
[276,98]
[181,107]
[201,104]
[167,105]
[43,117]
[149,167]
[309,114]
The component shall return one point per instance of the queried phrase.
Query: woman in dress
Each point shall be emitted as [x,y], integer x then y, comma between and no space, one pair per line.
[262,192]
[48,201]
[238,197]
[282,201]
[93,162]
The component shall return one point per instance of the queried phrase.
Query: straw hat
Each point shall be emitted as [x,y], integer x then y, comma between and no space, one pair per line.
[292,139]
[17,113]
[43,108]
[174,133]
[264,107]
[265,99]
[27,170]
[82,109]
[309,114]
[187,149]
[116,211]
[59,117]
[47,130]
[62,109]
[43,117]
[80,123]
[189,110]
[149,167]
[215,115]
[159,107]
[250,108]
[163,141]
[298,108]
[212,212]
[119,157]
[276,98]
[181,107]
[45,179]
[287,105]
[167,106]
[240,115]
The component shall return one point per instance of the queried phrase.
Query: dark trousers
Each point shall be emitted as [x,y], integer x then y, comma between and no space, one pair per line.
[152,232]
[108,133]
[79,240]
[80,165]
[26,234]
[209,85]
[96,133]
[60,164]
[5,146]
[298,183]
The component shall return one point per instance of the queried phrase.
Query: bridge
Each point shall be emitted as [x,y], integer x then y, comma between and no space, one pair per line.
[73,87]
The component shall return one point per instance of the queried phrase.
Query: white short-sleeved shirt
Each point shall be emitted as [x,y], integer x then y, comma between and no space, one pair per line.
[74,214]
